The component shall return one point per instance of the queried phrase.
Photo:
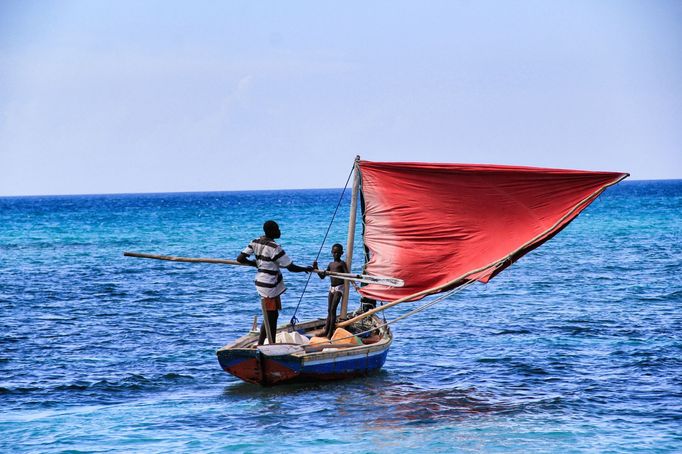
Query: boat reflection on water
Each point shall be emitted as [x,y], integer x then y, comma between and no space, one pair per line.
[397,406]
[373,402]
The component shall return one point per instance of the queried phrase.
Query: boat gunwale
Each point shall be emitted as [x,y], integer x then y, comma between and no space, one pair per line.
[338,350]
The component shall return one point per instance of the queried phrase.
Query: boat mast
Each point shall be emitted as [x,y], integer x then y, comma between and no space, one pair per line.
[351,235]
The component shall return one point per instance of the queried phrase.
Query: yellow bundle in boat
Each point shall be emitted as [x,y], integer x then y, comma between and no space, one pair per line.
[319,340]
[341,336]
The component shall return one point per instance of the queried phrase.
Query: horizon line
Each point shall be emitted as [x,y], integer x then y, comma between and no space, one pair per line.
[629,180]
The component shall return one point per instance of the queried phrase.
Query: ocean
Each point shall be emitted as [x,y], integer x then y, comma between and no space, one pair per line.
[575,348]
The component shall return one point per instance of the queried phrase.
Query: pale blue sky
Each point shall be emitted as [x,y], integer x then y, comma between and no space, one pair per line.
[156,96]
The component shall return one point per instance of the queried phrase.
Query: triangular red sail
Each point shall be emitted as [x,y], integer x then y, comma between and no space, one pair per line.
[437,226]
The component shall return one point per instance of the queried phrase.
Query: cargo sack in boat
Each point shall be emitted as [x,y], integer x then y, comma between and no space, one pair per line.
[341,336]
[290,338]
[298,338]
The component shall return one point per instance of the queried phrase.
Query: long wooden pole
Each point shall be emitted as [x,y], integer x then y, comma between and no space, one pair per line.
[351,235]
[266,323]
[380,280]
[173,258]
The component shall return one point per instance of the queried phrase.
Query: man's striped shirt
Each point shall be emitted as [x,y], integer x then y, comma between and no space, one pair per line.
[269,258]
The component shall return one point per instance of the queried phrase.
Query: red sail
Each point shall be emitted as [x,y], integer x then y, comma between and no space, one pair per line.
[437,226]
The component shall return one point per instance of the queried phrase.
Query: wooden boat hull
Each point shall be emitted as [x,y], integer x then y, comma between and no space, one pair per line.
[288,363]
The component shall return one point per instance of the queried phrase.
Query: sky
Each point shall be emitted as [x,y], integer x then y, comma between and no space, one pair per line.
[172,96]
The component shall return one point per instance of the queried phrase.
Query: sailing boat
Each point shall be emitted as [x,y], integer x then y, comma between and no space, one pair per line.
[436,227]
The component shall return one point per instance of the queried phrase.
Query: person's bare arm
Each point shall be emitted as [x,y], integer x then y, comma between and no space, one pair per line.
[319,273]
[299,269]
[243,258]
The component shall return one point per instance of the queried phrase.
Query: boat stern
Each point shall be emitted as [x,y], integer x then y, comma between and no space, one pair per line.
[243,363]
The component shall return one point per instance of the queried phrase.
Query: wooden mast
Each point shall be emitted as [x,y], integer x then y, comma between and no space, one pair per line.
[351,235]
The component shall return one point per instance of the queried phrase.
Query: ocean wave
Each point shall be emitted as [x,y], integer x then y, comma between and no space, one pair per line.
[511,331]
[129,383]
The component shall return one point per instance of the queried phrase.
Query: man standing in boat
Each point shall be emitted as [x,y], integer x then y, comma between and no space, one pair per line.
[270,257]
[336,286]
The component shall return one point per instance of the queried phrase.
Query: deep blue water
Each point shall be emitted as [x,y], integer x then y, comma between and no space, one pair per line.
[577,347]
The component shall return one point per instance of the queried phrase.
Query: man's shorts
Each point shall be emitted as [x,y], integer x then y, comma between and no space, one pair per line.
[272,304]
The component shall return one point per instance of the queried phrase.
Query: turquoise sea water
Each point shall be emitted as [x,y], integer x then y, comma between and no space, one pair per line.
[576,348]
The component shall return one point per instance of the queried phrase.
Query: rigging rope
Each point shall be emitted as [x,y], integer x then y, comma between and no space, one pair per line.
[412,312]
[294,320]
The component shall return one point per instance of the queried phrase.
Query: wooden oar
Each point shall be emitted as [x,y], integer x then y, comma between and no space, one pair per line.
[381,280]
[387,281]
[185,259]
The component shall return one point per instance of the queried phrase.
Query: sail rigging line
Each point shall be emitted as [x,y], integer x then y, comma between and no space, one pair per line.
[461,280]
[431,303]
[421,308]
[294,320]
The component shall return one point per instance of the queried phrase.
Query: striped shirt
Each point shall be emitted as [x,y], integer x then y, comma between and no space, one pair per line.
[269,258]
